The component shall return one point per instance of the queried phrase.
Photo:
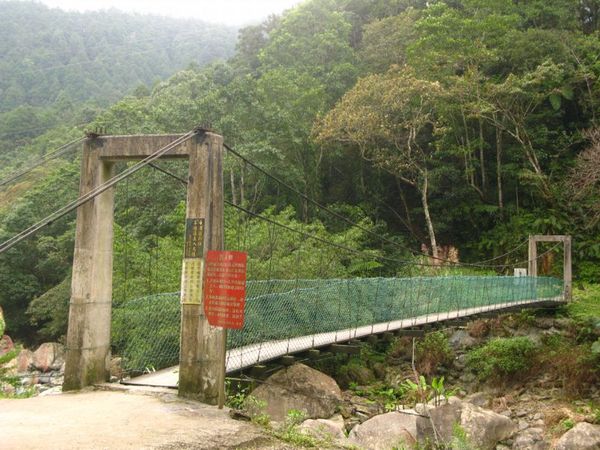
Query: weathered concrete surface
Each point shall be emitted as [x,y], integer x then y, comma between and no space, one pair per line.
[122,420]
[88,336]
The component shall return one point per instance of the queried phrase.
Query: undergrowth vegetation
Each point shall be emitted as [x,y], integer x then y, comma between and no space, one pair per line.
[8,381]
[433,352]
[502,357]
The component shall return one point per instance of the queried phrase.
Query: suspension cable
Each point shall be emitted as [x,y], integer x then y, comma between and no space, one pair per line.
[480,264]
[340,246]
[93,193]
[44,159]
[363,252]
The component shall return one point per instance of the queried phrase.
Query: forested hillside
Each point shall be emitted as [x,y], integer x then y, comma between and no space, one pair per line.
[59,67]
[465,123]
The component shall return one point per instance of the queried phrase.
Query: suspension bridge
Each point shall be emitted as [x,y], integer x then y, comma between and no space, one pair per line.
[283,316]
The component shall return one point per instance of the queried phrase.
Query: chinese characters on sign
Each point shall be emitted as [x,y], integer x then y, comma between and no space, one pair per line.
[191,284]
[194,238]
[191,275]
[225,288]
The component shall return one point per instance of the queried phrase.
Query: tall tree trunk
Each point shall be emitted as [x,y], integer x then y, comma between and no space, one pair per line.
[482,157]
[242,187]
[232,181]
[425,202]
[305,202]
[499,166]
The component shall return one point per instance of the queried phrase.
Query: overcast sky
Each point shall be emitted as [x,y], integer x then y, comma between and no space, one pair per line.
[231,12]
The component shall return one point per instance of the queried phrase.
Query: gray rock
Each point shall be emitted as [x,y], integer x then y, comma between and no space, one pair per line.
[6,345]
[583,436]
[531,438]
[386,431]
[52,391]
[445,418]
[481,399]
[24,361]
[485,428]
[460,362]
[460,340]
[116,368]
[468,378]
[328,430]
[299,387]
[49,356]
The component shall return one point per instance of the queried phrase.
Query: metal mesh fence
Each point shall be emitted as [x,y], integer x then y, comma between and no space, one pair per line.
[146,330]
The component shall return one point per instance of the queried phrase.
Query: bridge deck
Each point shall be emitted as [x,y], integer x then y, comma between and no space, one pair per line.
[248,356]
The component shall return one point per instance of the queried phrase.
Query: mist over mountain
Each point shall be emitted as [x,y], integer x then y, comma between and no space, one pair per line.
[53,61]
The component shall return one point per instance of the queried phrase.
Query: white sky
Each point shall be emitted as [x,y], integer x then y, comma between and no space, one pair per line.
[231,12]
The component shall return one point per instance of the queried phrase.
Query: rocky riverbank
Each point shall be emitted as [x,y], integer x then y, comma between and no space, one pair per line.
[390,399]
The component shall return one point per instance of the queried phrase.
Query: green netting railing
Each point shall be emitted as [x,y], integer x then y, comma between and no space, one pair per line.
[146,330]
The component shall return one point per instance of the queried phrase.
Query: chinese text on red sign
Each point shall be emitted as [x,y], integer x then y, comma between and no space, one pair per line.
[225,288]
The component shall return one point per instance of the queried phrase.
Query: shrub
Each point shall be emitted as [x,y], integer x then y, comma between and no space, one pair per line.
[502,357]
[432,352]
[586,303]
[49,313]
[400,348]
[575,365]
[354,372]
[6,379]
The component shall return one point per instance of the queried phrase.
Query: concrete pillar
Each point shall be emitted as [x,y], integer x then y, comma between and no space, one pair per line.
[88,337]
[532,258]
[201,344]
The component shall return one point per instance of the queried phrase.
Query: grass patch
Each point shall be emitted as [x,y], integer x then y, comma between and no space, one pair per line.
[586,303]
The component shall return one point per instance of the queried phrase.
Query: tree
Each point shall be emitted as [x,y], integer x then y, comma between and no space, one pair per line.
[512,106]
[584,179]
[385,41]
[391,119]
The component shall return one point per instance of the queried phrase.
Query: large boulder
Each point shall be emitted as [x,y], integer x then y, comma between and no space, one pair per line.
[49,356]
[386,431]
[485,428]
[328,430]
[530,439]
[445,417]
[302,388]
[6,345]
[583,436]
[24,361]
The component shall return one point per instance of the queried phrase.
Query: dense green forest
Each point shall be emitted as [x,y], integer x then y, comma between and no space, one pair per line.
[465,123]
[60,68]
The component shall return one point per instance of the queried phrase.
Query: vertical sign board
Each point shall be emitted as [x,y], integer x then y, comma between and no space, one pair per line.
[191,275]
[225,288]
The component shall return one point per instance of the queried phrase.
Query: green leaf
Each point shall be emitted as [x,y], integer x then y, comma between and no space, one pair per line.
[567,92]
[555,100]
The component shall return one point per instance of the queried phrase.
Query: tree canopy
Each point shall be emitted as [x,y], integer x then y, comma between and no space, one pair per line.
[465,123]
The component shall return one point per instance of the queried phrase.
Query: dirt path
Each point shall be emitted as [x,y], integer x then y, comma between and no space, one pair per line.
[121,420]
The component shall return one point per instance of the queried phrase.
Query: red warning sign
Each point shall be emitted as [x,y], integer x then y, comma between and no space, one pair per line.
[225,288]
